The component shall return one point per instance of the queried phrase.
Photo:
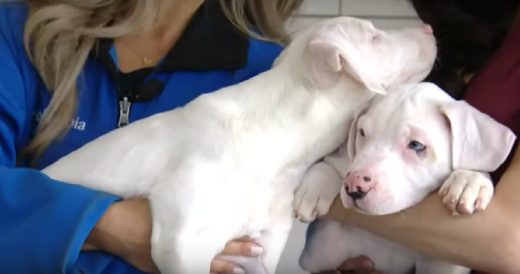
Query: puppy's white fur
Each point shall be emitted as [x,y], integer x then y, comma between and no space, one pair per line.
[227,163]
[399,149]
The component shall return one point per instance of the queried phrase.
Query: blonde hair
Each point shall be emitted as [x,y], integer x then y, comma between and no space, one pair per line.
[59,35]
[267,16]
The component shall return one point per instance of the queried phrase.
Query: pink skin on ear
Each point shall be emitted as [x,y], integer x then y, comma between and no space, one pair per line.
[332,55]
[478,141]
[325,63]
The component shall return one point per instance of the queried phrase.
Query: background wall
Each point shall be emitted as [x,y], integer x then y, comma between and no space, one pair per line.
[386,14]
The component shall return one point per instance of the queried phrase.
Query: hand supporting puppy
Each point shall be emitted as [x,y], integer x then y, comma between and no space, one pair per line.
[356,265]
[125,229]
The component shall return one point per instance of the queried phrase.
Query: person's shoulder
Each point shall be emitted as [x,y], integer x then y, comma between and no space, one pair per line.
[13,12]
[262,54]
[13,15]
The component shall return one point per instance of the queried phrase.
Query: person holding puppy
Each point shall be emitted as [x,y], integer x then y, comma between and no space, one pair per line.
[487,241]
[74,70]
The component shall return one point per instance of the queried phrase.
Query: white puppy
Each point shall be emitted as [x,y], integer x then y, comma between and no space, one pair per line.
[399,149]
[227,163]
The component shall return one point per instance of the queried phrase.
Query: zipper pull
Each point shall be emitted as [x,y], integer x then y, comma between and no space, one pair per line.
[124,112]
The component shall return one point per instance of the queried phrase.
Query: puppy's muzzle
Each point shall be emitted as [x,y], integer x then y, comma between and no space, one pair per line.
[358,185]
[356,195]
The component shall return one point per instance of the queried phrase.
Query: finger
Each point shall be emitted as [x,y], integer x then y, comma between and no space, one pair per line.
[360,271]
[254,236]
[224,267]
[359,263]
[244,239]
[242,248]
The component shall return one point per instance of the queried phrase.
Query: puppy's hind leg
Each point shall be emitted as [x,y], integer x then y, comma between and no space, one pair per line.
[183,255]
[274,241]
[326,246]
[184,237]
[184,247]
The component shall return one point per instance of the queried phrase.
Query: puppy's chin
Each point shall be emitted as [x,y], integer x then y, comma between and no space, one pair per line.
[379,209]
[364,206]
[349,203]
[361,209]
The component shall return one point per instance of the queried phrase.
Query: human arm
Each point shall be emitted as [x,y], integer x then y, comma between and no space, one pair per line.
[43,222]
[125,230]
[488,240]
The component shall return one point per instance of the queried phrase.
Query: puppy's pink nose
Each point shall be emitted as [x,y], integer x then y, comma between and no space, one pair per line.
[358,184]
[427,29]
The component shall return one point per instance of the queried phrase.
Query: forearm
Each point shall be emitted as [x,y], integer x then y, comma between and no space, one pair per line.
[488,240]
[125,230]
[102,236]
[44,222]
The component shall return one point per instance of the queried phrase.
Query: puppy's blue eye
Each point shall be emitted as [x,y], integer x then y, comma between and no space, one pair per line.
[416,146]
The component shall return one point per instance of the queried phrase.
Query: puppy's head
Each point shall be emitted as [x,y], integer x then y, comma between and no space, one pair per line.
[346,49]
[405,144]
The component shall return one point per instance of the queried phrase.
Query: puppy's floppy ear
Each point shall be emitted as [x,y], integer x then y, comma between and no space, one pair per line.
[331,55]
[351,139]
[478,141]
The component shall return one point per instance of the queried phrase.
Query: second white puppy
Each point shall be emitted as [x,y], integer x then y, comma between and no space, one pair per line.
[227,163]
[402,147]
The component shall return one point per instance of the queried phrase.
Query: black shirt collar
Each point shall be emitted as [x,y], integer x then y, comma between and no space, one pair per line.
[210,41]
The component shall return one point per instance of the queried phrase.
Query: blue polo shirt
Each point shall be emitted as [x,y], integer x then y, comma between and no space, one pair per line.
[44,222]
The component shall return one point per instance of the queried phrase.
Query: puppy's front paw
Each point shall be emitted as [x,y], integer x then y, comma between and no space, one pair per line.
[312,200]
[466,191]
[320,185]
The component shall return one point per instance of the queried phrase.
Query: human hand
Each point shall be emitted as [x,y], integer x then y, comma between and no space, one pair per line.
[356,265]
[244,246]
[125,230]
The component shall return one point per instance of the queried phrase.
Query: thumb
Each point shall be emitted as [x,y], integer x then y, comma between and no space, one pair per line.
[359,263]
